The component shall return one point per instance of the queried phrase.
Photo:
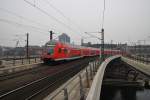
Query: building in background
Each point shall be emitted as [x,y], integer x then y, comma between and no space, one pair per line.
[64,38]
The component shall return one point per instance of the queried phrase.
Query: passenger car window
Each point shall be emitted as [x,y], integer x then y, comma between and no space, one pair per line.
[65,50]
[59,50]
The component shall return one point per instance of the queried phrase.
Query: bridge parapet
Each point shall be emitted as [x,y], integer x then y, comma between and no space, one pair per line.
[142,67]
[145,60]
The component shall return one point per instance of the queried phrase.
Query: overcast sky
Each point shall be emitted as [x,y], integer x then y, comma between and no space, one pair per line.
[125,20]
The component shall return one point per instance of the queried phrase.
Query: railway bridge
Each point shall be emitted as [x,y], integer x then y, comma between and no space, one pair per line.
[116,71]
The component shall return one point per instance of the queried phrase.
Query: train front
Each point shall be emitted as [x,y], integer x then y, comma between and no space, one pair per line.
[48,52]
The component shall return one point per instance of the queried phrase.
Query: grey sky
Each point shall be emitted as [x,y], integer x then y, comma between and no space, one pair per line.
[125,20]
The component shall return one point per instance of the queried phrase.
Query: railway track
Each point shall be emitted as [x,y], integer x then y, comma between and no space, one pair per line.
[39,67]
[18,79]
[48,82]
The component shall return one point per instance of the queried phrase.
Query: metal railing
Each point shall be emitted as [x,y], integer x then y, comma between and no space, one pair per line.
[145,60]
[76,85]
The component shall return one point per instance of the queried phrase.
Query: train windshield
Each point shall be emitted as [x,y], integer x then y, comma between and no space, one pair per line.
[50,47]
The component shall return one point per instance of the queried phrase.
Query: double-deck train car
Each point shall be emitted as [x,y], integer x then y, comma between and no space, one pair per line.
[57,51]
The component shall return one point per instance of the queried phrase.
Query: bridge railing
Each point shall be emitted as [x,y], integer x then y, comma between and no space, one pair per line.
[141,59]
[95,90]
[76,85]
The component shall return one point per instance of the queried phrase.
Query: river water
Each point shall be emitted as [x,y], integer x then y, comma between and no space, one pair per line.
[124,93]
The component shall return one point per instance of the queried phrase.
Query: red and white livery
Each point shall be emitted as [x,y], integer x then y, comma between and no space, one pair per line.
[56,51]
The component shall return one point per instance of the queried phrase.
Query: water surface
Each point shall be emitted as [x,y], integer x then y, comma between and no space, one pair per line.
[124,93]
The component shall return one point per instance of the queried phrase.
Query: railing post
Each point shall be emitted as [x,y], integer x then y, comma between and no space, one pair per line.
[35,59]
[29,60]
[87,78]
[22,60]
[143,59]
[65,94]
[93,67]
[81,88]
[91,76]
[96,63]
[147,60]
[14,62]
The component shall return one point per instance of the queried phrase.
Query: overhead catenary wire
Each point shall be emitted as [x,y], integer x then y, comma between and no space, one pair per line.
[22,25]
[50,16]
[21,17]
[56,9]
[62,14]
[92,35]
[20,31]
[34,28]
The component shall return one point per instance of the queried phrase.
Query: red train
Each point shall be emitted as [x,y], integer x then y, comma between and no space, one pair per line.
[56,51]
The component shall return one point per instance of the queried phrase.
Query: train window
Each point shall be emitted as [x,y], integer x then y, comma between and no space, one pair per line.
[59,50]
[65,50]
